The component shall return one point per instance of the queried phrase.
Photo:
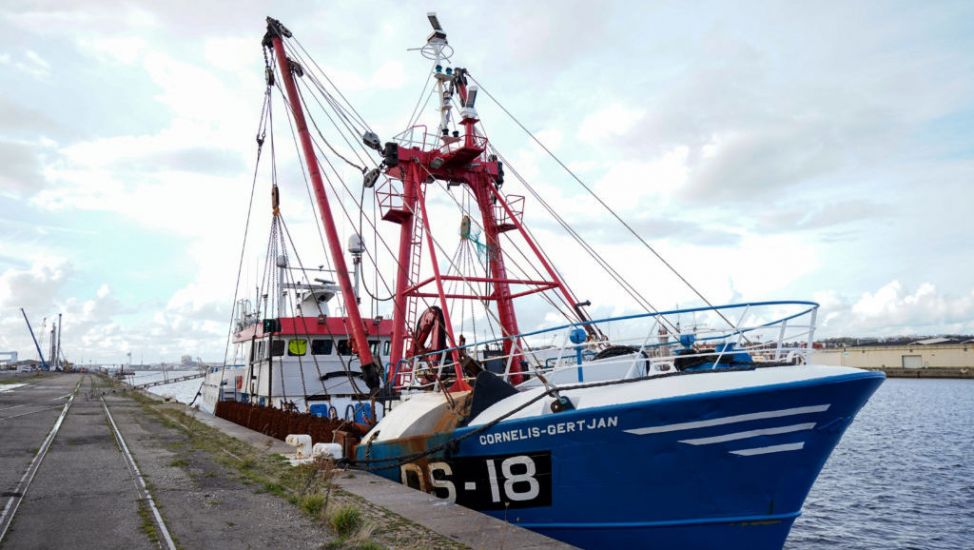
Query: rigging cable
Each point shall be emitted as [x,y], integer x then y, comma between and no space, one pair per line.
[304,319]
[417,111]
[352,107]
[260,135]
[304,174]
[355,132]
[627,287]
[348,192]
[304,104]
[294,138]
[600,201]
[468,196]
[345,366]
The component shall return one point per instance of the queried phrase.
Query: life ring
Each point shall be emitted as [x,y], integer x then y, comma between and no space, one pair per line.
[430,333]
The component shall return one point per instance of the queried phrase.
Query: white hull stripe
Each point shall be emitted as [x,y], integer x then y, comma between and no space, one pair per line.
[772,449]
[748,434]
[729,420]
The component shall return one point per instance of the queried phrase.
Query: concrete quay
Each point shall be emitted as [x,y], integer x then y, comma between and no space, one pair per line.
[931,372]
[66,481]
[83,494]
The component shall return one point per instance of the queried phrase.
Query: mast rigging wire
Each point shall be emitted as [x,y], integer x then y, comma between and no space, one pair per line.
[345,366]
[599,200]
[627,287]
[334,190]
[355,132]
[260,136]
[340,94]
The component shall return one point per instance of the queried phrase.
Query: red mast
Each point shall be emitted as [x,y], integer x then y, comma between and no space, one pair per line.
[273,39]
[457,160]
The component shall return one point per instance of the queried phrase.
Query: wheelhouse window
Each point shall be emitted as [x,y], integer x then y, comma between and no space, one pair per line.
[385,348]
[277,348]
[297,347]
[374,347]
[321,347]
[344,348]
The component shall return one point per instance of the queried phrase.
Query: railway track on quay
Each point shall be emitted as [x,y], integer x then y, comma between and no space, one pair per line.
[84,454]
[15,497]
[86,463]
[89,464]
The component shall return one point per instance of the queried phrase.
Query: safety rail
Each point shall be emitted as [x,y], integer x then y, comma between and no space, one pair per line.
[419,137]
[390,198]
[507,222]
[754,333]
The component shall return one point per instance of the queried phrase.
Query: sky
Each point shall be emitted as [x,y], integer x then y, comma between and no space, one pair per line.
[820,151]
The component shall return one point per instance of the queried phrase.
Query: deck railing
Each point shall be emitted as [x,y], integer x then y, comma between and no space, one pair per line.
[647,344]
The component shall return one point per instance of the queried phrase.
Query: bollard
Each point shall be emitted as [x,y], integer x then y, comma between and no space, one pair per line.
[301,444]
[331,450]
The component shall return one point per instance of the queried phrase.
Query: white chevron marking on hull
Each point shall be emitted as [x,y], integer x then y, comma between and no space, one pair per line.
[748,434]
[729,420]
[770,449]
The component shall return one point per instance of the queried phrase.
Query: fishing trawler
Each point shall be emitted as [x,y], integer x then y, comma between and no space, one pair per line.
[627,431]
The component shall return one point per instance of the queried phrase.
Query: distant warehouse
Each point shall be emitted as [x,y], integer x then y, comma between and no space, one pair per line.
[954,357]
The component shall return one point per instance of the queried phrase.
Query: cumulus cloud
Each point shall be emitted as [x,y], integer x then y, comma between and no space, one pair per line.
[742,165]
[34,286]
[98,326]
[742,153]
[789,216]
[894,309]
[610,123]
[19,120]
[22,167]
[28,62]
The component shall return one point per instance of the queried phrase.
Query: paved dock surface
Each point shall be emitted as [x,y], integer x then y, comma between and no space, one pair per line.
[461,524]
[84,493]
[457,523]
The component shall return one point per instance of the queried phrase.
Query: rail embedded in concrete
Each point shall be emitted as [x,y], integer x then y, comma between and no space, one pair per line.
[20,491]
[140,481]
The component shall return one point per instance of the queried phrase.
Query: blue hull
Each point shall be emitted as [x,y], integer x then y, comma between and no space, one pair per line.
[726,469]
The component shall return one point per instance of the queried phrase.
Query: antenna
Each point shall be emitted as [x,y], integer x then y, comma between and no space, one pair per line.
[468,111]
[436,48]
[434,21]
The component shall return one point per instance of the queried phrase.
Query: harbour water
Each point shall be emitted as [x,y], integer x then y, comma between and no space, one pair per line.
[902,477]
[180,391]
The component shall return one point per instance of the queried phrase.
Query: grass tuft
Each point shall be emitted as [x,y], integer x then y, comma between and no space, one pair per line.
[352,519]
[345,520]
[313,504]
[147,524]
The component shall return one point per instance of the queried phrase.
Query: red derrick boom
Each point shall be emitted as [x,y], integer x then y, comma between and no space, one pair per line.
[370,368]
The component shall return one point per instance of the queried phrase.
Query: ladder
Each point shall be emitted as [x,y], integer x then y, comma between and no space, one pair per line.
[415,265]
